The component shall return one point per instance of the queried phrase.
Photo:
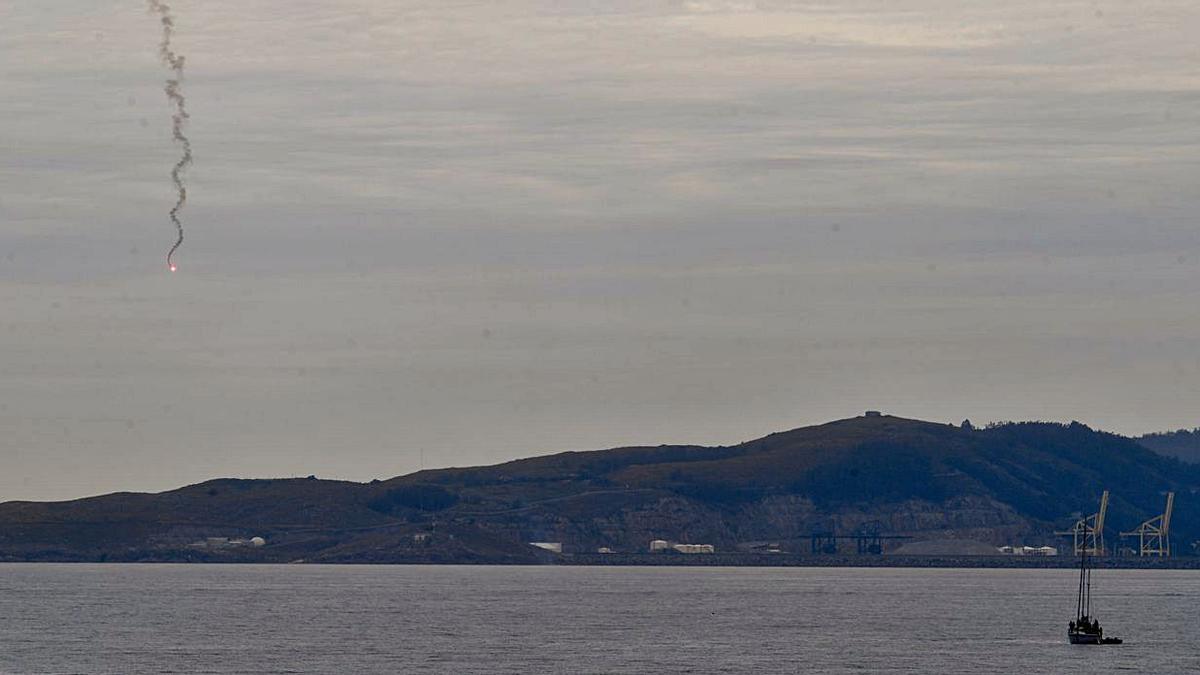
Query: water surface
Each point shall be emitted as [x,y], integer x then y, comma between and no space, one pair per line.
[407,619]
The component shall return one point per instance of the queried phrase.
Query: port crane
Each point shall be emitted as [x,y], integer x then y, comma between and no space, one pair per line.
[1088,532]
[868,538]
[1154,535]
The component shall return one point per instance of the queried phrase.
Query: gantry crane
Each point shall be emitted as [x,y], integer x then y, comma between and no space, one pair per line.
[868,538]
[1154,535]
[1088,532]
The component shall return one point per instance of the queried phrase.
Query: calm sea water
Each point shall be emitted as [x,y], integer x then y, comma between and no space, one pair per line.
[301,619]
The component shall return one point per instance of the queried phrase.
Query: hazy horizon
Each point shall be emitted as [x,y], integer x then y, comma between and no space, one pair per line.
[427,466]
[472,232]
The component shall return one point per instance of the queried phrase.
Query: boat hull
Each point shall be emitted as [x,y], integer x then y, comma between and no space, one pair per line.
[1091,639]
[1083,638]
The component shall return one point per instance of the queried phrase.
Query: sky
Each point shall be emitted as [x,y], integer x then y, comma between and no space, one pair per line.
[427,234]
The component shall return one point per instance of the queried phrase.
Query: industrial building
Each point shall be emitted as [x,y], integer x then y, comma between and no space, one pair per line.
[1029,550]
[662,546]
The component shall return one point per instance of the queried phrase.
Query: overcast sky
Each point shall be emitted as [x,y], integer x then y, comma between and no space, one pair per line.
[454,232]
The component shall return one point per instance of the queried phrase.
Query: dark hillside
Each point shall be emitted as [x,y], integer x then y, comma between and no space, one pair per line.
[1040,468]
[1014,483]
[1183,444]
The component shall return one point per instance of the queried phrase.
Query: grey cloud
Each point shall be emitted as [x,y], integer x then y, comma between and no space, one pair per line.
[485,230]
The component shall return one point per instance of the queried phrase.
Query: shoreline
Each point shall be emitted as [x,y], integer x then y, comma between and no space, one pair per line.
[909,561]
[667,560]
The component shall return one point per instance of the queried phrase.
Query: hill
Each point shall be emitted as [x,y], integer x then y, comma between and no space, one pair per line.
[1013,483]
[1183,444]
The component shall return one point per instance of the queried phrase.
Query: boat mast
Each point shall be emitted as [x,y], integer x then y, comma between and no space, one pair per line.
[1079,597]
[1083,605]
[1087,595]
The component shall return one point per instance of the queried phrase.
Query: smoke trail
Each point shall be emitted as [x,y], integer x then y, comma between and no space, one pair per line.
[178,118]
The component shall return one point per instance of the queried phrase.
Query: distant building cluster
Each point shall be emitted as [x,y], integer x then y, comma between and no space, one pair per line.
[762,547]
[1029,550]
[215,543]
[656,546]
[664,546]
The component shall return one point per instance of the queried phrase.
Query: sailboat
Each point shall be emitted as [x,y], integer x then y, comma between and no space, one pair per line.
[1085,629]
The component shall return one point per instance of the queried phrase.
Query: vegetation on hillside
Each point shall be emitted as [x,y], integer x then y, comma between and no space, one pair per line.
[1184,444]
[1008,481]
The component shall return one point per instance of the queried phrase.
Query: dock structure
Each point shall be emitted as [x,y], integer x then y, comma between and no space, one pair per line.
[1154,535]
[868,539]
[824,541]
[1087,534]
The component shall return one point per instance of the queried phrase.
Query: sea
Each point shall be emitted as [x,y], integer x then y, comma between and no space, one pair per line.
[141,618]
